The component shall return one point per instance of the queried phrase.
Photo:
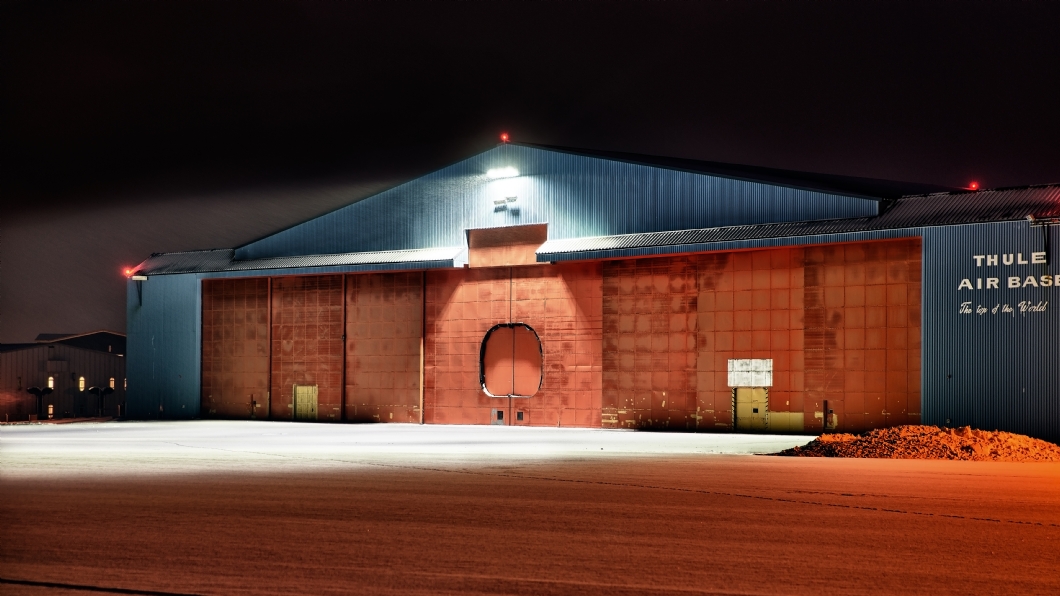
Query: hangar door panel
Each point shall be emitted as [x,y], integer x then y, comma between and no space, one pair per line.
[511,361]
[307,343]
[235,348]
[384,323]
[497,362]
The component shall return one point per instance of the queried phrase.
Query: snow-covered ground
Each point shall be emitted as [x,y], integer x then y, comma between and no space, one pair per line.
[203,446]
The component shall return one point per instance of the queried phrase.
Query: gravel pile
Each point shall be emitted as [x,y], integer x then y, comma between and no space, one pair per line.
[930,442]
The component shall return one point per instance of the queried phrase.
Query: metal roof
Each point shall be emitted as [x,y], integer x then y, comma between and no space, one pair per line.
[849,185]
[576,195]
[909,212]
[209,261]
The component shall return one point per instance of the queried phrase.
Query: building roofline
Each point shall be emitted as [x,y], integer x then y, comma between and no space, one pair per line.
[72,336]
[854,186]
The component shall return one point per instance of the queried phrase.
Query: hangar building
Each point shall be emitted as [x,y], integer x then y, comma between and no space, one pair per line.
[538,285]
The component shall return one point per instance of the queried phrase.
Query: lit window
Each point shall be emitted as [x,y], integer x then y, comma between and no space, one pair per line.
[112,382]
[51,382]
[81,384]
[125,384]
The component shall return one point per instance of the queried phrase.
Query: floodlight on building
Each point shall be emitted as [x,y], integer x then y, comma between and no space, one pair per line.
[508,172]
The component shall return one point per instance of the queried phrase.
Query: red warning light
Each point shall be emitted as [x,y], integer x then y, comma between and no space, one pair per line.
[504,137]
[128,272]
[973,185]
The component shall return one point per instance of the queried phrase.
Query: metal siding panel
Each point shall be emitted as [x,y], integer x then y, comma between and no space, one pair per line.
[164,347]
[576,195]
[1004,367]
[673,249]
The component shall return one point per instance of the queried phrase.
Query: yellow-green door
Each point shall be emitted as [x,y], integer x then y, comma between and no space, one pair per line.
[751,408]
[305,402]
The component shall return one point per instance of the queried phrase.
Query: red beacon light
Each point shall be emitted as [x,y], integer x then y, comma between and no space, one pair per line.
[504,137]
[973,185]
[128,271]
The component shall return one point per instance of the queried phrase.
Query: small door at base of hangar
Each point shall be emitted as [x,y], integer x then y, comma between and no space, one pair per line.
[305,402]
[751,408]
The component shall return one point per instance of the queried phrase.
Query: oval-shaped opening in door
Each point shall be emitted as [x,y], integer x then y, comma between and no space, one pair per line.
[510,361]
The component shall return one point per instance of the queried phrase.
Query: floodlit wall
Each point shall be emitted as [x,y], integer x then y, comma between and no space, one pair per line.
[884,330]
[841,323]
[562,303]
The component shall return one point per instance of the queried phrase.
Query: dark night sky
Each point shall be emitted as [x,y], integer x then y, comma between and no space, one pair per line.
[135,127]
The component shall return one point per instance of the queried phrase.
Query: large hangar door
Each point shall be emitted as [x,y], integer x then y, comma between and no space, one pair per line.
[307,345]
[384,324]
[561,303]
[235,348]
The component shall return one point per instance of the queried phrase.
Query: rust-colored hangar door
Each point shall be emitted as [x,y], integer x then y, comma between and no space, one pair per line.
[510,365]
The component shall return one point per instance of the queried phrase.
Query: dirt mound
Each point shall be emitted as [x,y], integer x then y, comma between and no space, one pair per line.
[930,442]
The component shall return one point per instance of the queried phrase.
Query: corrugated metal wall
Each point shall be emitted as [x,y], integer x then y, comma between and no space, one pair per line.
[22,369]
[987,365]
[164,343]
[575,195]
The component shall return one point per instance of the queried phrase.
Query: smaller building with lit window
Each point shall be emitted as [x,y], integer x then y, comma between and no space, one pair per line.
[63,376]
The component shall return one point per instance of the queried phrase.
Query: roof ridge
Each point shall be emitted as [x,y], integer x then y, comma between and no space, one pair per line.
[856,186]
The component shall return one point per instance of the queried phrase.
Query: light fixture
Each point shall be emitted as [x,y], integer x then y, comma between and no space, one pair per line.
[508,172]
[973,185]
[139,278]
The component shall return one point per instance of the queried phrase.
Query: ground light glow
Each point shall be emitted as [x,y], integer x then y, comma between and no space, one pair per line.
[210,446]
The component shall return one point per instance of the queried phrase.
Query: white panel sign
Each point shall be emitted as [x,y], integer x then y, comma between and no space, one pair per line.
[750,372]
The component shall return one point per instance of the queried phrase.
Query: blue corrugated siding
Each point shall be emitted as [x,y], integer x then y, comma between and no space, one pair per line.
[575,195]
[991,370]
[164,347]
[674,249]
